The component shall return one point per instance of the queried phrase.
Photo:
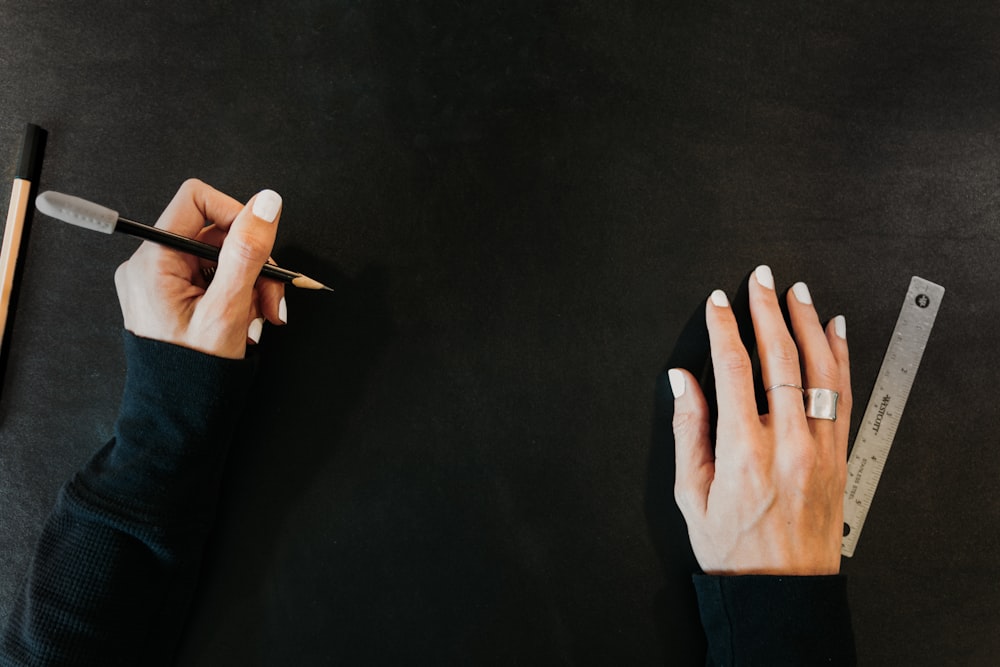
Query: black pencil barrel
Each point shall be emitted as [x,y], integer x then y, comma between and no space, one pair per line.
[31,153]
[192,247]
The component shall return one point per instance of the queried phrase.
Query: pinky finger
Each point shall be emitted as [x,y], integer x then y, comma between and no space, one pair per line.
[836,334]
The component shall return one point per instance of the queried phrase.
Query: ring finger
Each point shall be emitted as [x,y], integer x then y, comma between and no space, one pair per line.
[818,363]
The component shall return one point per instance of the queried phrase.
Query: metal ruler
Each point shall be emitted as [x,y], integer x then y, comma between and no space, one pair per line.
[885,407]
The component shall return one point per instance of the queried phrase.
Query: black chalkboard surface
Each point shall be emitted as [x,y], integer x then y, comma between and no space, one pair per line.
[520,204]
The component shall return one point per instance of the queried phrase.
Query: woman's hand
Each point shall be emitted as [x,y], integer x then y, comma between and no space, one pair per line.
[165,295]
[767,496]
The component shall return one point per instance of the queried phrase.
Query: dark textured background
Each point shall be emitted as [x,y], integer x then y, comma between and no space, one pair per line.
[451,461]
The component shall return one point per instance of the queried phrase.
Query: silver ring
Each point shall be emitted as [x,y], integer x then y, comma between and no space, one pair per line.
[793,386]
[821,404]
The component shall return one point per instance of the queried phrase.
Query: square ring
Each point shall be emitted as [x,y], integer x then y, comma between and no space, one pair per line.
[821,404]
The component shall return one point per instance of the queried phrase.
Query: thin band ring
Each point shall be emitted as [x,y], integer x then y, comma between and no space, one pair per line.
[785,384]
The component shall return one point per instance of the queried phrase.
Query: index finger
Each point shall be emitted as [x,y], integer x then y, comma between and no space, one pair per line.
[194,204]
[733,371]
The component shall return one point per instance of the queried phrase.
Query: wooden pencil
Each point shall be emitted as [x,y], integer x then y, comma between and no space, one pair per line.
[28,167]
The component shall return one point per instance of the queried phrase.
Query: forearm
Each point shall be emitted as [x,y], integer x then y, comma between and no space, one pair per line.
[775,620]
[118,559]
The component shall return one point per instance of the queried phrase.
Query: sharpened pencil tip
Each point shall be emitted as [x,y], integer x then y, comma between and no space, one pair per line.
[306,282]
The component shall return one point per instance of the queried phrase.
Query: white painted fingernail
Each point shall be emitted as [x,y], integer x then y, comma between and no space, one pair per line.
[266,205]
[840,326]
[677,383]
[719,298]
[283,311]
[255,330]
[764,276]
[801,293]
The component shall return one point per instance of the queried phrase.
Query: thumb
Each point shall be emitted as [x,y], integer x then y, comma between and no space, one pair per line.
[245,249]
[695,461]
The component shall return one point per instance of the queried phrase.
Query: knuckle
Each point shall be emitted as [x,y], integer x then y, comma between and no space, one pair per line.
[192,184]
[783,351]
[827,373]
[802,462]
[687,425]
[734,362]
[684,496]
[800,469]
[247,248]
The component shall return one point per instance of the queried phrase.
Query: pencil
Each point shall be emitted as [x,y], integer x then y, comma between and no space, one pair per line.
[89,215]
[29,164]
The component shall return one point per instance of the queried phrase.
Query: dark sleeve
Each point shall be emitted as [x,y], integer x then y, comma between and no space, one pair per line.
[773,621]
[117,562]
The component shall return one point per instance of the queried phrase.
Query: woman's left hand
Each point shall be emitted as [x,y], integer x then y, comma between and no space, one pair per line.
[767,496]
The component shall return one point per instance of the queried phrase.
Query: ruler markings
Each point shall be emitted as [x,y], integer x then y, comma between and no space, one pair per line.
[885,406]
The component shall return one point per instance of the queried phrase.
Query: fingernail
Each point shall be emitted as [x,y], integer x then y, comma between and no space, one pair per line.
[283,311]
[256,328]
[801,293]
[266,205]
[840,326]
[719,298]
[764,276]
[677,383]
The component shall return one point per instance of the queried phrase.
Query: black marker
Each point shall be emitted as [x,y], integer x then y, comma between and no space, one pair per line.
[89,215]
